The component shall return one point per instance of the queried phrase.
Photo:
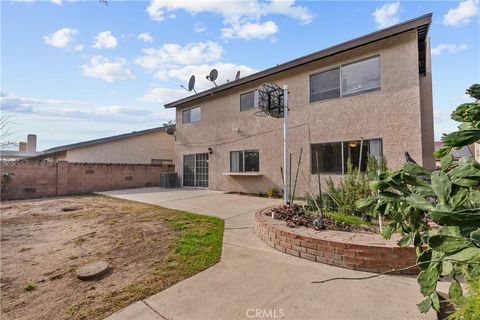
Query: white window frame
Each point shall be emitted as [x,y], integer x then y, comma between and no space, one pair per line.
[340,66]
[243,159]
[254,99]
[190,109]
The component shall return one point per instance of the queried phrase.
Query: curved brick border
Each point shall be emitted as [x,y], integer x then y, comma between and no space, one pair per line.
[365,252]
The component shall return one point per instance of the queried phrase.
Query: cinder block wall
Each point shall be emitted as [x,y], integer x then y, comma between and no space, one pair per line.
[38,179]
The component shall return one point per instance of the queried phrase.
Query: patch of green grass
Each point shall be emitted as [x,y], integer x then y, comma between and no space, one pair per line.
[29,287]
[347,218]
[196,247]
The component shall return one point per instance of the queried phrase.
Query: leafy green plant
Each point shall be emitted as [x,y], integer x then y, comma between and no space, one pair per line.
[273,192]
[352,187]
[30,287]
[413,196]
[347,219]
[468,307]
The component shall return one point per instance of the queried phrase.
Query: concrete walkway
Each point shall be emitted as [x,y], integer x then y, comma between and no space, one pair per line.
[253,281]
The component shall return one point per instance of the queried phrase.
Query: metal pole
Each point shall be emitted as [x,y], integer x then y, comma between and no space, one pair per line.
[285,145]
[360,158]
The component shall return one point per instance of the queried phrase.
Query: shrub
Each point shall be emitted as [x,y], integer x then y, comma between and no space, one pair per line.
[273,192]
[30,287]
[413,196]
[351,188]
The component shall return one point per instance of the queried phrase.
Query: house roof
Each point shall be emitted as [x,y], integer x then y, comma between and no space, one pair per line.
[465,151]
[102,140]
[421,23]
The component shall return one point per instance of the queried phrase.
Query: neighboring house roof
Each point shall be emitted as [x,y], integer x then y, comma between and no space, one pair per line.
[15,154]
[421,23]
[102,140]
[465,151]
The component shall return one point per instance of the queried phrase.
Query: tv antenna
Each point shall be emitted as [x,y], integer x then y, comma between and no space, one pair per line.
[213,76]
[237,76]
[191,85]
[273,101]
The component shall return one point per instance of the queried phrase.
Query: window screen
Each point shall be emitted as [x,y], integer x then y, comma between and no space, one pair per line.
[329,157]
[236,161]
[244,161]
[325,85]
[361,76]
[251,161]
[333,157]
[247,101]
[191,115]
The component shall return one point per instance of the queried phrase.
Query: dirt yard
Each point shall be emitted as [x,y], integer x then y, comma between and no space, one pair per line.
[44,241]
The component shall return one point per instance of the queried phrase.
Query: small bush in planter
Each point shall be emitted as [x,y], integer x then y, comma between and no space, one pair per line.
[273,192]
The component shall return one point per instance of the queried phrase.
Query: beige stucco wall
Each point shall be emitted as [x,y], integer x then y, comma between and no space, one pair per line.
[138,149]
[392,113]
[477,151]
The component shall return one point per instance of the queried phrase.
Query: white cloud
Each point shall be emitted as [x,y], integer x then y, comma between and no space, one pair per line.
[106,69]
[105,39]
[387,15]
[146,37]
[61,38]
[250,30]
[57,2]
[163,96]
[462,13]
[226,71]
[231,11]
[199,27]
[450,48]
[71,109]
[235,13]
[175,54]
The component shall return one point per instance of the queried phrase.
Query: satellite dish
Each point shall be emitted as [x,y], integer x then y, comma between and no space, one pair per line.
[191,84]
[270,100]
[213,76]
[237,76]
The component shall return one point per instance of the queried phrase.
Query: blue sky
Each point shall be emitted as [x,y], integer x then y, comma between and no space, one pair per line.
[79,70]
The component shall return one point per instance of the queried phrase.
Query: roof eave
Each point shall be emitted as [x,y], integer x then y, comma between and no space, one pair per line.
[333,50]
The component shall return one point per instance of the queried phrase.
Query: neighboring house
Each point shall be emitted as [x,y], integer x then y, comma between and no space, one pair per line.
[151,146]
[25,150]
[378,87]
[465,151]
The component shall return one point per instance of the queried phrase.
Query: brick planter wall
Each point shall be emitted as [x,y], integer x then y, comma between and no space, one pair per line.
[365,252]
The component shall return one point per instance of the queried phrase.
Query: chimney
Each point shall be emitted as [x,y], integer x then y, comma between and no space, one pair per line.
[31,143]
[22,147]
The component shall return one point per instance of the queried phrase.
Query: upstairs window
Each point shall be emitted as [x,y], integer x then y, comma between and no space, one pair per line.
[247,101]
[361,76]
[191,115]
[325,85]
[346,80]
[244,161]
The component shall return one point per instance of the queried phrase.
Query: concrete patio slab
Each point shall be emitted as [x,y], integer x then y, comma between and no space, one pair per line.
[253,281]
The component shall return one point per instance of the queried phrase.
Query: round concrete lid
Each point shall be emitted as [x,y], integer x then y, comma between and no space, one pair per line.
[92,270]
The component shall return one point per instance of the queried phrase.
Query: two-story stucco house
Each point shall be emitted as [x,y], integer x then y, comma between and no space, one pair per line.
[376,88]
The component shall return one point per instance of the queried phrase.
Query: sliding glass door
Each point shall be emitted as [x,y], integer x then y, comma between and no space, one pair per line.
[195,170]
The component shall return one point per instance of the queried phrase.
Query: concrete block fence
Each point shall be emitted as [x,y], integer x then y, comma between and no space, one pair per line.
[357,251]
[40,179]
